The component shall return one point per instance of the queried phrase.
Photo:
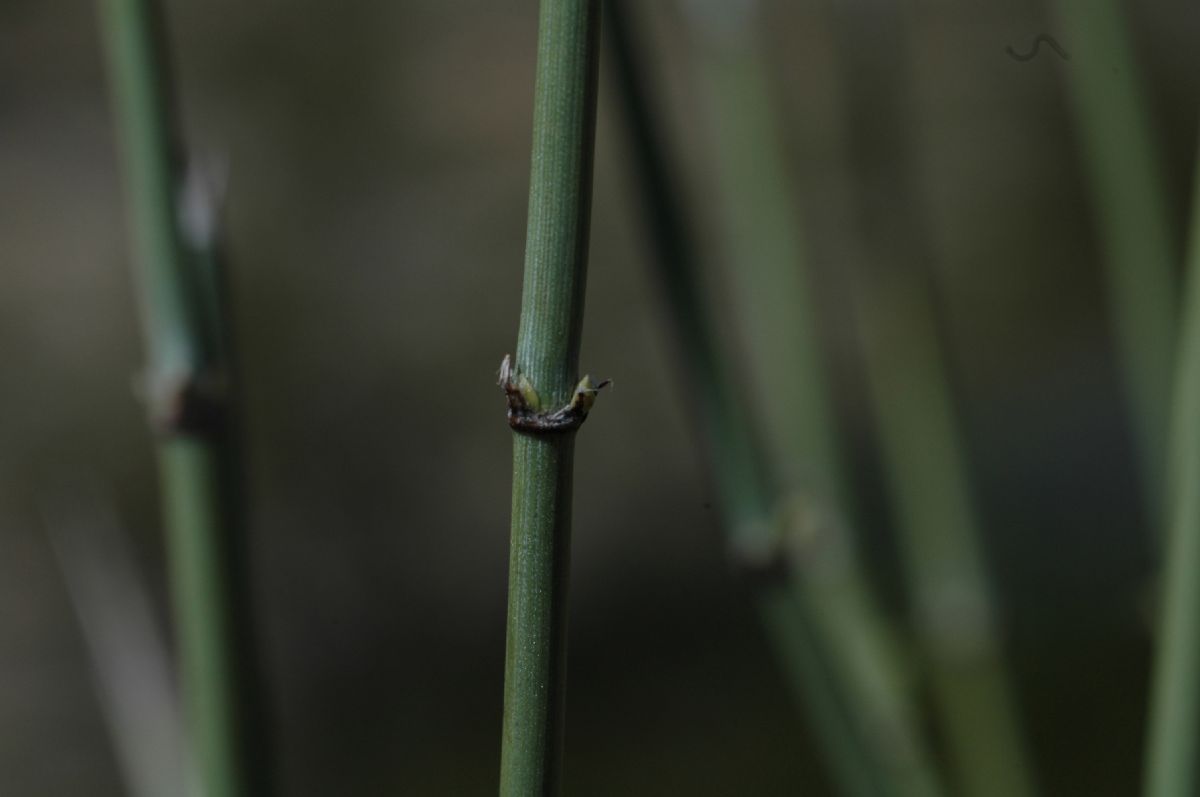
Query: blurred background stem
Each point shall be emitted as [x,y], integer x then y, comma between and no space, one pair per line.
[747,495]
[187,384]
[552,302]
[805,510]
[1134,219]
[926,472]
[129,656]
[924,456]
[1174,730]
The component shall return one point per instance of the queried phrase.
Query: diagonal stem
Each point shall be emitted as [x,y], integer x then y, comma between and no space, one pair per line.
[1174,733]
[830,638]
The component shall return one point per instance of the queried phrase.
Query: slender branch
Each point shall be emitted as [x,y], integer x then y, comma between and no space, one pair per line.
[547,364]
[923,453]
[822,614]
[1174,733]
[926,470]
[740,474]
[130,659]
[188,388]
[1137,229]
[769,282]
[725,423]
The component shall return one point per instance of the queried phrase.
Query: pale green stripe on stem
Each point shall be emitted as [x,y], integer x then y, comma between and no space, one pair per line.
[924,455]
[1173,749]
[926,470]
[832,635]
[1134,219]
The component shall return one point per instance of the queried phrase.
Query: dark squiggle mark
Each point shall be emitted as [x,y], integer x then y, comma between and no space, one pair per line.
[1037,43]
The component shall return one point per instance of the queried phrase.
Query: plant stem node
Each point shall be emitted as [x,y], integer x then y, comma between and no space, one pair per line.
[187,403]
[525,412]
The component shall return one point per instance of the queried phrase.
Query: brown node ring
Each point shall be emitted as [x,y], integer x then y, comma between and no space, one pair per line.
[524,405]
[188,404]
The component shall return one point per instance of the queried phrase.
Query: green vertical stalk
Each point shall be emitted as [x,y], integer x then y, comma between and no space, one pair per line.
[923,453]
[926,470]
[747,495]
[829,626]
[548,357]
[1138,239]
[187,384]
[726,426]
[762,225]
[1174,731]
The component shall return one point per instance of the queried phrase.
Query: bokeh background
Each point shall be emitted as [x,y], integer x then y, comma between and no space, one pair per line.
[378,158]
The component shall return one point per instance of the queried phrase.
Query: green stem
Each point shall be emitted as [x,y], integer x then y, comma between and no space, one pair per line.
[1133,216]
[187,385]
[762,225]
[746,491]
[1174,733]
[823,619]
[726,426]
[548,356]
[924,455]
[130,658]
[926,471]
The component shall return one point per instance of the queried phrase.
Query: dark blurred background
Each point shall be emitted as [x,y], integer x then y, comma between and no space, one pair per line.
[378,159]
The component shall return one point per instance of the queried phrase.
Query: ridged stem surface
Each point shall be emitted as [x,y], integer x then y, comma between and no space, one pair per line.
[548,356]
